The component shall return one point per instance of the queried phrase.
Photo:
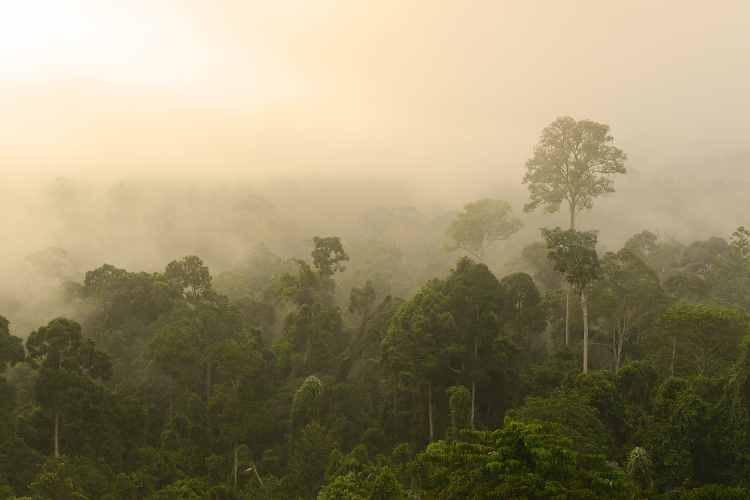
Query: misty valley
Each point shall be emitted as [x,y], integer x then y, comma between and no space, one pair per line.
[345,339]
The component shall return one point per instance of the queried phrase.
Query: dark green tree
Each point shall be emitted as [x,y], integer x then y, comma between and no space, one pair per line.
[574,255]
[67,363]
[190,276]
[627,299]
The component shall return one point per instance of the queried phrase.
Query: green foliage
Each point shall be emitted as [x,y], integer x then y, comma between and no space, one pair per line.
[328,255]
[577,419]
[574,255]
[459,402]
[700,338]
[308,460]
[190,277]
[574,162]
[639,469]
[626,301]
[11,347]
[169,389]
[354,476]
[184,489]
[708,492]
[677,435]
[306,403]
[481,224]
[519,460]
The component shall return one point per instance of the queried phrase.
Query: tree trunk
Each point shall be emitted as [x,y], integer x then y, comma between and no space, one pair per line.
[674,355]
[308,349]
[474,386]
[585,311]
[236,465]
[429,410]
[614,350]
[572,208]
[568,286]
[57,435]
[567,314]
[620,343]
[473,403]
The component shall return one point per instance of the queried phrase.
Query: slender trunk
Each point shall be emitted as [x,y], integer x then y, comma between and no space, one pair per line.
[674,355]
[474,386]
[585,311]
[567,314]
[568,286]
[429,410]
[572,216]
[57,435]
[236,465]
[620,343]
[473,403]
[614,350]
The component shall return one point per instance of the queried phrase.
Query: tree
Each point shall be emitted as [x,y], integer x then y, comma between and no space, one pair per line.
[639,467]
[573,162]
[67,363]
[628,298]
[190,276]
[195,336]
[314,326]
[461,405]
[481,224]
[661,255]
[728,279]
[306,405]
[677,433]
[328,255]
[361,302]
[518,460]
[574,254]
[308,460]
[575,417]
[11,347]
[524,317]
[415,346]
[700,339]
[475,301]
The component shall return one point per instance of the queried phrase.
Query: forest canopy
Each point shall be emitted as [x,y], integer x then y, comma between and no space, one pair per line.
[402,361]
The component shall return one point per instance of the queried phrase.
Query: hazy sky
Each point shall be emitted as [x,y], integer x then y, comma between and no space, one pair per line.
[225,87]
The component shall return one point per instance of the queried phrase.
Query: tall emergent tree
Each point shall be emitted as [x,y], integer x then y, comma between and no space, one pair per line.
[574,255]
[482,223]
[573,162]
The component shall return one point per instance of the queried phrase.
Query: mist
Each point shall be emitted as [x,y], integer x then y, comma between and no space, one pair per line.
[137,134]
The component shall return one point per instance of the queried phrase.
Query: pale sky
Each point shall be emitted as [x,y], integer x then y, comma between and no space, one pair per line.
[244,87]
